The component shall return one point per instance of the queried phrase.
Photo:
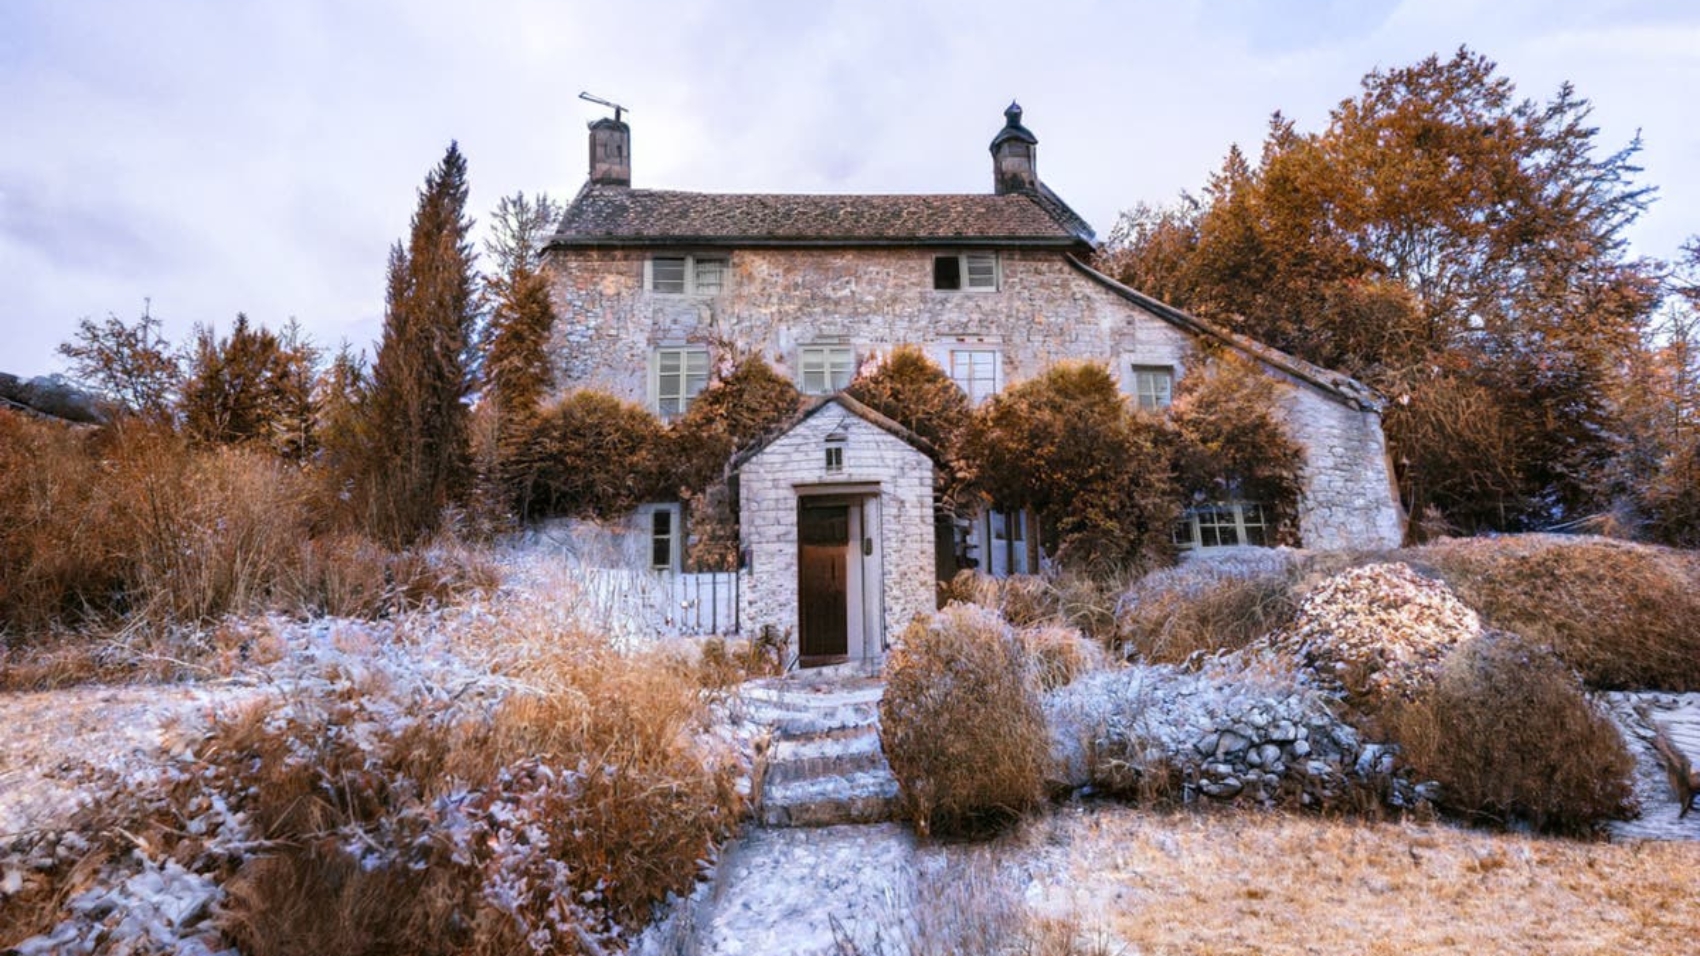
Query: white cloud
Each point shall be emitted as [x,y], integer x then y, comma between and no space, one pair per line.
[222,157]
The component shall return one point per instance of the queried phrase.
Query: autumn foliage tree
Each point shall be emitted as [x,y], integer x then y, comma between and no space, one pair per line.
[1098,475]
[1230,443]
[1438,234]
[590,455]
[516,372]
[252,387]
[132,366]
[912,390]
[415,415]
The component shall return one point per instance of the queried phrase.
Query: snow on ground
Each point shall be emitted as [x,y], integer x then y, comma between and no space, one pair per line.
[1680,716]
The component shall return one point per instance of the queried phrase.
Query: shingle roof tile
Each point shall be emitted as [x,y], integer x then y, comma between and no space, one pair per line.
[613,215]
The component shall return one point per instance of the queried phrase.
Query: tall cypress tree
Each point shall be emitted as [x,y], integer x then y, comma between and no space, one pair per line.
[417,417]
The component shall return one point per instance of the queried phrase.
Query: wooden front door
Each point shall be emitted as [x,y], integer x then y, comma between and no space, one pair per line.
[823,554]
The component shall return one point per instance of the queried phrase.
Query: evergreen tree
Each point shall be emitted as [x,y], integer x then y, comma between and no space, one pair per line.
[516,372]
[415,414]
[251,387]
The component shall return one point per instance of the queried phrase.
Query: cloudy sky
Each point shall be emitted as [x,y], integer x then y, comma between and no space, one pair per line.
[223,156]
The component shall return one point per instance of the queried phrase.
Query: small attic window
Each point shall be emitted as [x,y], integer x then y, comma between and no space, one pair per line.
[966,272]
[835,453]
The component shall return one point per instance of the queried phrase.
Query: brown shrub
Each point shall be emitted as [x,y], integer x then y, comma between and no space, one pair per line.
[1170,616]
[969,586]
[589,455]
[1621,614]
[1027,599]
[960,721]
[1060,654]
[1508,734]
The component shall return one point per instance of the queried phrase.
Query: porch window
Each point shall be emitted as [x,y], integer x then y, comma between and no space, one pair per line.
[825,368]
[679,375]
[1223,525]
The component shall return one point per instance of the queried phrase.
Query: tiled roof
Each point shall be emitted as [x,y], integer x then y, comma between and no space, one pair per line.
[617,215]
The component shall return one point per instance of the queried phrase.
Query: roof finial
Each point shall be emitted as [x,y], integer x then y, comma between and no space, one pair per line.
[1012,115]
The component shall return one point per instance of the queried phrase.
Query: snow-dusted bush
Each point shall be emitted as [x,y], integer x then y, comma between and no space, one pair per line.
[1508,734]
[960,721]
[1206,606]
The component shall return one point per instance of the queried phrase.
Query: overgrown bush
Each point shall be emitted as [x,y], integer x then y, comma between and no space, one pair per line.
[591,455]
[912,390]
[1232,444]
[1620,614]
[1508,734]
[1099,476]
[960,721]
[729,415]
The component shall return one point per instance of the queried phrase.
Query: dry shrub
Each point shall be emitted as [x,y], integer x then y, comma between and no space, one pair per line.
[960,721]
[1089,602]
[971,587]
[722,664]
[1027,599]
[56,562]
[1060,654]
[589,455]
[1200,609]
[1621,614]
[1509,735]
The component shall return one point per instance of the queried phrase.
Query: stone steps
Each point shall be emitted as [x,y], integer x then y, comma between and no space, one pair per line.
[824,765]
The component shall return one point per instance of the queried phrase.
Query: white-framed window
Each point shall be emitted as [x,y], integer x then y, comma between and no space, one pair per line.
[966,272]
[976,370]
[824,369]
[835,455]
[1152,385]
[1224,525]
[658,524]
[687,275]
[678,374]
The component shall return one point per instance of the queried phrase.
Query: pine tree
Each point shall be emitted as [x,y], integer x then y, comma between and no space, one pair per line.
[416,416]
[516,371]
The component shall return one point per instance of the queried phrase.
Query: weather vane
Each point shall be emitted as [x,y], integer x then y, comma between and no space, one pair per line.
[617,108]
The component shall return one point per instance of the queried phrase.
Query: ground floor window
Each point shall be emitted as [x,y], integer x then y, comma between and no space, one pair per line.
[1224,525]
[659,526]
[998,543]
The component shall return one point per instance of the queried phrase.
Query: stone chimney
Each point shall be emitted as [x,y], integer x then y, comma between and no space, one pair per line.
[610,153]
[1014,166]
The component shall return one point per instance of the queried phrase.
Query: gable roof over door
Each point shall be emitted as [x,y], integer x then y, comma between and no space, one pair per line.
[621,216]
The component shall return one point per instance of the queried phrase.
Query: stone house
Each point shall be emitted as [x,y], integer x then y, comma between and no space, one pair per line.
[656,289]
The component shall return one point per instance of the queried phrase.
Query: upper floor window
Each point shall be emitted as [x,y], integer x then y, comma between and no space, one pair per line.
[678,376]
[1153,386]
[687,275]
[825,368]
[975,371]
[966,272]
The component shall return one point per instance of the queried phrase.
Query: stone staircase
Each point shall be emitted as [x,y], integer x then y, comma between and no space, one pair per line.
[824,765]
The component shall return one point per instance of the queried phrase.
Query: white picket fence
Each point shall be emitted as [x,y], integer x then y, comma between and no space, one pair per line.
[665,603]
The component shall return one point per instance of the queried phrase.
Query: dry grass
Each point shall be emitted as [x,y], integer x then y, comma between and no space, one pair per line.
[1275,884]
[960,721]
[1622,614]
[1169,617]
[418,819]
[1061,654]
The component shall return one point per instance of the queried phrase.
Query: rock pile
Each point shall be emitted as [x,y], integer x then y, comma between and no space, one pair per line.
[1377,631]
[1229,731]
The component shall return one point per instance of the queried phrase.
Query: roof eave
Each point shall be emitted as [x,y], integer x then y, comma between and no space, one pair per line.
[1340,387]
[1063,243]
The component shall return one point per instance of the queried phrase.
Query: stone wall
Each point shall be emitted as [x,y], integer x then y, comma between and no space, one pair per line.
[873,299]
[1045,310]
[794,464]
[1349,500]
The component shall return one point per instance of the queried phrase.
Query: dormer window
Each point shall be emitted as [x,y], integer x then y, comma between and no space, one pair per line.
[687,275]
[966,272]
